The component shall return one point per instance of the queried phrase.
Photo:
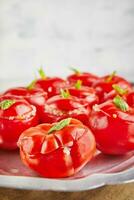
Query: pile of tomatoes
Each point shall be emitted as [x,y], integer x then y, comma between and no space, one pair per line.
[57,124]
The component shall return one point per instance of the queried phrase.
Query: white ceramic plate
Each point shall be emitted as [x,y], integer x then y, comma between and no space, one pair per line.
[102,170]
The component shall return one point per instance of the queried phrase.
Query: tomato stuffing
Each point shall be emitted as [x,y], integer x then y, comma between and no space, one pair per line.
[64,106]
[88,94]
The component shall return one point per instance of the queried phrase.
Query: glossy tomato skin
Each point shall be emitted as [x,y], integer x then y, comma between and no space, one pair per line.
[88,94]
[51,85]
[35,96]
[130,99]
[113,129]
[59,154]
[14,120]
[87,79]
[104,87]
[57,108]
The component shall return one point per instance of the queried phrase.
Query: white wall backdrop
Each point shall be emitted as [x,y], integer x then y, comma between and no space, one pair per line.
[94,35]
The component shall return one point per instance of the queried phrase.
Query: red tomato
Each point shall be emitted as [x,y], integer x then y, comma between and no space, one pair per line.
[59,107]
[35,96]
[16,115]
[57,152]
[87,78]
[116,90]
[113,127]
[88,94]
[51,85]
[104,85]
[130,99]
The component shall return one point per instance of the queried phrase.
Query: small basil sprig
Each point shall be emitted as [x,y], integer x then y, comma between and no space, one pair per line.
[78,84]
[31,85]
[119,89]
[76,71]
[5,104]
[65,93]
[42,73]
[59,125]
[110,77]
[121,103]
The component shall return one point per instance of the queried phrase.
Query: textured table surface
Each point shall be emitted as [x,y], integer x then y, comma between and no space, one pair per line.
[116,192]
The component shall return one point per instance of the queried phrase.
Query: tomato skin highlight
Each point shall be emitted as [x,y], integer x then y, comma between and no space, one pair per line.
[87,79]
[14,120]
[58,108]
[113,129]
[60,154]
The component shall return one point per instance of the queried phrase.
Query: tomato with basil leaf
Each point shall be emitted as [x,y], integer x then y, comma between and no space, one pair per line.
[51,85]
[35,96]
[117,90]
[16,115]
[57,150]
[87,78]
[88,94]
[112,123]
[63,106]
[105,85]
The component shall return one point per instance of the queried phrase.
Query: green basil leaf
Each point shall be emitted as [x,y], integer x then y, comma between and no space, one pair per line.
[76,71]
[60,125]
[42,73]
[121,103]
[5,104]
[31,85]
[78,84]
[65,93]
[110,77]
[119,89]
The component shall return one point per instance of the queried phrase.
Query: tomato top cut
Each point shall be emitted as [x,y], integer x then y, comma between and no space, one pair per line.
[88,94]
[63,106]
[15,108]
[66,104]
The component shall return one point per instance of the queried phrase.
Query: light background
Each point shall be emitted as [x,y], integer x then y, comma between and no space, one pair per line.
[93,35]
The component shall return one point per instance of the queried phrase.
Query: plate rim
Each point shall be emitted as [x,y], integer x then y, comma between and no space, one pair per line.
[93,181]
